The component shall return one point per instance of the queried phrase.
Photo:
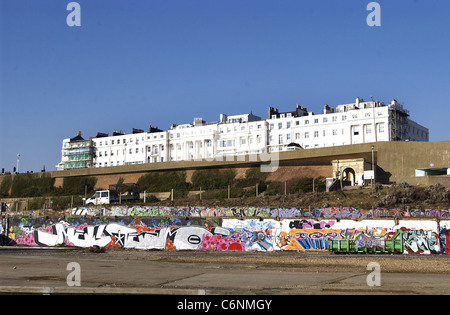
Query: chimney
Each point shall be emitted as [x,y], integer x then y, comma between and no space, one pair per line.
[79,133]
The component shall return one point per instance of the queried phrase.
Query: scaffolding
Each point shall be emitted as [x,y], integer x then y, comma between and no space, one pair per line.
[398,120]
[78,154]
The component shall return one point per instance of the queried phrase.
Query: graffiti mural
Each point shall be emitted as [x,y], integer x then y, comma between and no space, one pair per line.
[420,242]
[444,239]
[232,234]
[307,239]
[245,212]
[254,234]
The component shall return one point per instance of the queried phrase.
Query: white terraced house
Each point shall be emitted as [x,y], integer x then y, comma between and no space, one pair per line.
[359,122]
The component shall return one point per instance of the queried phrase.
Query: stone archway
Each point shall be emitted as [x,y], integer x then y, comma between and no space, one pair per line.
[351,170]
[349,175]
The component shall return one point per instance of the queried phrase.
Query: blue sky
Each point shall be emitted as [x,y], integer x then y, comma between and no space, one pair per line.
[135,63]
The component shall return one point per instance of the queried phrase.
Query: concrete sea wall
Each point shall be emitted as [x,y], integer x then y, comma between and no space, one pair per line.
[411,235]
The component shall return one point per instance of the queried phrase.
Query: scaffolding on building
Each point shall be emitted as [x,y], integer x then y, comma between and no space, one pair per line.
[398,120]
[78,153]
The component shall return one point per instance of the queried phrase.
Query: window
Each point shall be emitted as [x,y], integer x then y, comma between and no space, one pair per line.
[280,125]
[316,121]
[288,136]
[297,135]
[325,119]
[316,134]
[334,132]
[368,129]
[306,122]
[227,143]
[271,126]
[307,134]
[344,117]
[288,124]
[280,139]
[380,128]
[297,123]
[334,118]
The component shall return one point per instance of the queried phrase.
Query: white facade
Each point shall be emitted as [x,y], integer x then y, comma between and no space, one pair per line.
[353,123]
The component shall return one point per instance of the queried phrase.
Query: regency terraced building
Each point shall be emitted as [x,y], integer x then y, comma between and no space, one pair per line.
[246,134]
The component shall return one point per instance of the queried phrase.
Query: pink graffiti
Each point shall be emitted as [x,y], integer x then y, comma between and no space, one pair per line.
[219,242]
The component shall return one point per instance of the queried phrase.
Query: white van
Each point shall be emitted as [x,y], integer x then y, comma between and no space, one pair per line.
[100,197]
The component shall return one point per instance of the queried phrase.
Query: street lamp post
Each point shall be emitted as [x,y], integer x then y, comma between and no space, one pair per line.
[373,168]
[18,157]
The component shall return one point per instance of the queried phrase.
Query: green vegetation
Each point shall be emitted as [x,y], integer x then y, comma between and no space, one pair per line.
[32,185]
[220,187]
[5,186]
[42,185]
[164,181]
[212,178]
[75,185]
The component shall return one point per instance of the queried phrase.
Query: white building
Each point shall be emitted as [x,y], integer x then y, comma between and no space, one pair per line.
[358,122]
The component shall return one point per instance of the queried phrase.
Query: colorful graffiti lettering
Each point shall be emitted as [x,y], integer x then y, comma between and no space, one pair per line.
[231,234]
[419,241]
[308,239]
[444,239]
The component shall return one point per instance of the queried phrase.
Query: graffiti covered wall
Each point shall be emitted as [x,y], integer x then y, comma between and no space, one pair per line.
[197,233]
[341,213]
